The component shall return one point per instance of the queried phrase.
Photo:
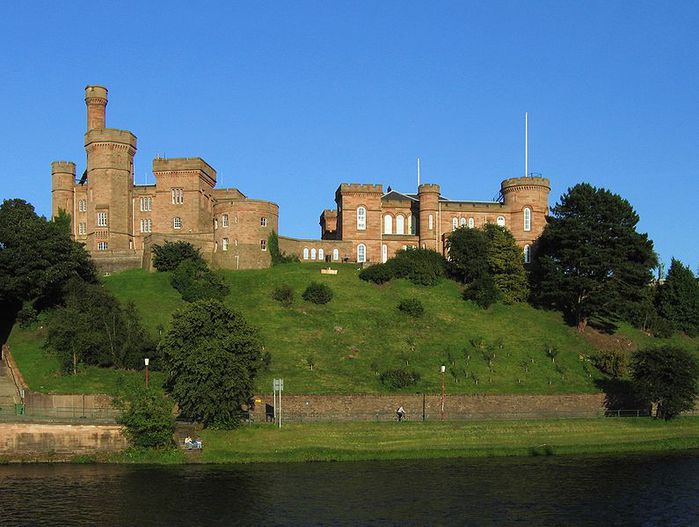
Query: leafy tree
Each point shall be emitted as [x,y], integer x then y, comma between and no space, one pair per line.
[168,256]
[211,356]
[318,293]
[678,298]
[590,260]
[147,417]
[666,376]
[506,264]
[468,254]
[420,266]
[377,273]
[277,256]
[482,291]
[195,281]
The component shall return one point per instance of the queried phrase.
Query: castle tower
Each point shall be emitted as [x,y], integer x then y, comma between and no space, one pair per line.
[527,199]
[62,192]
[359,219]
[428,195]
[110,154]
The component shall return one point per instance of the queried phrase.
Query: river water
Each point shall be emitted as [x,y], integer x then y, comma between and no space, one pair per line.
[643,490]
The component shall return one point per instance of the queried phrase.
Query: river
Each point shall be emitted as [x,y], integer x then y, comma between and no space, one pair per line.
[644,490]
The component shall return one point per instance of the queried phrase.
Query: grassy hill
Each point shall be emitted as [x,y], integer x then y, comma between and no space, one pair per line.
[361,332]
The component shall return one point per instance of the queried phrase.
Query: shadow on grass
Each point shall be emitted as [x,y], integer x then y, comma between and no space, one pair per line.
[621,395]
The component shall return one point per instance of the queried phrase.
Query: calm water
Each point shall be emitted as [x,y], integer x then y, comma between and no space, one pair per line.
[637,490]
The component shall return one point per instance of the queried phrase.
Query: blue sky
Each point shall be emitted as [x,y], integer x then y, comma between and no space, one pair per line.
[288,99]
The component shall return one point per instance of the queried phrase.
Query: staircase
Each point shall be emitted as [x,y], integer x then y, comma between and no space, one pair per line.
[8,392]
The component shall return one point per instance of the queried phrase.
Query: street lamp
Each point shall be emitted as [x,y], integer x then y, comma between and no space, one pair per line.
[442,370]
[146,361]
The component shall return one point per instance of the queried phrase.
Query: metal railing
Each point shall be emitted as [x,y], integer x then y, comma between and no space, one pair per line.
[64,414]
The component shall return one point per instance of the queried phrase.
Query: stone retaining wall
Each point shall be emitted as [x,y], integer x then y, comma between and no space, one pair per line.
[17,439]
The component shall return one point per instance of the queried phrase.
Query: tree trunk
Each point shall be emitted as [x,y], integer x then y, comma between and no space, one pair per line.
[582,324]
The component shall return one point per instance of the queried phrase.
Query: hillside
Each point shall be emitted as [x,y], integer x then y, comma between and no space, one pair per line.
[360,332]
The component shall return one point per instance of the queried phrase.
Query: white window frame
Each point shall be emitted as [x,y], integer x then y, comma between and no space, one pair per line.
[263,245]
[224,244]
[430,222]
[500,221]
[388,224]
[305,253]
[82,205]
[400,224]
[527,217]
[177,195]
[527,254]
[102,246]
[336,254]
[224,220]
[321,254]
[314,253]
[146,203]
[462,222]
[177,223]
[263,222]
[384,253]
[82,228]
[361,218]
[471,223]
[102,219]
[361,253]
[454,224]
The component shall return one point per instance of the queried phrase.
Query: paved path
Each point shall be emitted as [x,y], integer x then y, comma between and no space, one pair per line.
[8,393]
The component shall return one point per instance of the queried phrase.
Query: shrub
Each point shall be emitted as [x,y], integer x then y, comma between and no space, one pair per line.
[168,256]
[195,281]
[379,273]
[420,266]
[482,291]
[412,306]
[27,316]
[283,294]
[400,378]
[612,362]
[147,418]
[318,293]
[277,256]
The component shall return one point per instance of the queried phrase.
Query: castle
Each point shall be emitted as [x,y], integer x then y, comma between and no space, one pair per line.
[119,221]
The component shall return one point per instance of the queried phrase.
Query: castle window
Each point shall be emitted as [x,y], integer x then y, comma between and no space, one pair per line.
[236,242]
[501,221]
[263,222]
[336,254]
[82,205]
[361,253]
[471,223]
[384,253]
[82,228]
[101,219]
[527,219]
[146,204]
[305,253]
[215,223]
[177,222]
[215,247]
[462,222]
[430,222]
[400,224]
[224,220]
[361,219]
[263,245]
[387,224]
[102,246]
[313,254]
[321,254]
[177,196]
[527,254]
[454,224]
[146,225]
[224,245]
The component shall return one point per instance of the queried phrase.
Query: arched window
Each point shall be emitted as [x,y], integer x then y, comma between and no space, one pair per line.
[471,223]
[501,221]
[336,254]
[454,224]
[361,218]
[462,222]
[387,224]
[527,254]
[384,253]
[527,219]
[313,254]
[400,224]
[305,253]
[321,254]
[361,253]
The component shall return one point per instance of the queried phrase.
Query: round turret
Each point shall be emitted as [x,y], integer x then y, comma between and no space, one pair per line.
[62,182]
[96,101]
[428,194]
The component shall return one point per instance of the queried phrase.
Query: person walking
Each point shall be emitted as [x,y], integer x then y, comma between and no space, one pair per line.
[400,413]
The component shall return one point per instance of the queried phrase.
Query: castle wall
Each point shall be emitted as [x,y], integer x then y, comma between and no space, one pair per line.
[349,198]
[302,248]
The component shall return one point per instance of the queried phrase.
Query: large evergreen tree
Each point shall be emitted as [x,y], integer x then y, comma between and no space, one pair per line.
[590,261]
[678,298]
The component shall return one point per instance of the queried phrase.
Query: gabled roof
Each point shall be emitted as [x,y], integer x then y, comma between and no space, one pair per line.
[399,196]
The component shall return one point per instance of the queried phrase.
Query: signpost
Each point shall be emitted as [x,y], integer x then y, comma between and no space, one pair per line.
[277,388]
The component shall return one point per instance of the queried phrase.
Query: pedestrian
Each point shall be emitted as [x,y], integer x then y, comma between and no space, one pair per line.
[400,413]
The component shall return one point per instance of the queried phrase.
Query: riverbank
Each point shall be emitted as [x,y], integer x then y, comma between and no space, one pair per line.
[417,440]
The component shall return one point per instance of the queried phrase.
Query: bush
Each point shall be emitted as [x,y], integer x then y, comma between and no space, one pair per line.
[318,293]
[283,294]
[400,378]
[277,256]
[482,291]
[195,281]
[412,306]
[168,256]
[147,418]
[420,266]
[27,316]
[612,362]
[379,273]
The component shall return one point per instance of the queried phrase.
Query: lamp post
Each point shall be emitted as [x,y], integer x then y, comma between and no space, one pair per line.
[442,370]
[146,361]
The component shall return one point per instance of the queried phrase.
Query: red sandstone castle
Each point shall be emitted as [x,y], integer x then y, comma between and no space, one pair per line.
[120,221]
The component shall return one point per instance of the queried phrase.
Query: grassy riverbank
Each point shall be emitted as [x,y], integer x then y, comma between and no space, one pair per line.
[417,440]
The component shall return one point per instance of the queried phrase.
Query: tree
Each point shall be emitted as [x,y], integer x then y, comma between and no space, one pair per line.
[195,281]
[168,256]
[666,376]
[506,264]
[590,261]
[211,357]
[678,298]
[468,250]
[147,417]
[275,253]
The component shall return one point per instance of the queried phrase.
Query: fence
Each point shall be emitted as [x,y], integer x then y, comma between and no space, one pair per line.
[65,414]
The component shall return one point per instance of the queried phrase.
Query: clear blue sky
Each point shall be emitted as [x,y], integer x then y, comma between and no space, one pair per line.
[288,99]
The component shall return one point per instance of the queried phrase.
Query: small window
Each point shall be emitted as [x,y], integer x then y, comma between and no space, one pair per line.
[263,245]
[361,253]
[101,219]
[471,223]
[336,254]
[102,246]
[224,245]
[321,254]
[215,247]
[82,205]
[177,222]
[430,222]
[313,254]
[146,204]
[146,225]
[527,254]
[454,224]
[263,222]
[177,196]
[387,224]
[361,219]
[501,221]
[527,219]
[215,223]
[462,222]
[224,220]
[82,228]
[384,253]
[305,253]
[400,224]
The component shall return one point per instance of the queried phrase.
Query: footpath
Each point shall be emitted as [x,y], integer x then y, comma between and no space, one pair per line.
[8,392]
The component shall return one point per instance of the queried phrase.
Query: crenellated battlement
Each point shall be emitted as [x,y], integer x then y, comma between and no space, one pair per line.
[360,187]
[110,135]
[63,167]
[162,166]
[428,187]
[521,183]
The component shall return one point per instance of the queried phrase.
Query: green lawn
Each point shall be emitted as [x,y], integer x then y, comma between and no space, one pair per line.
[358,333]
